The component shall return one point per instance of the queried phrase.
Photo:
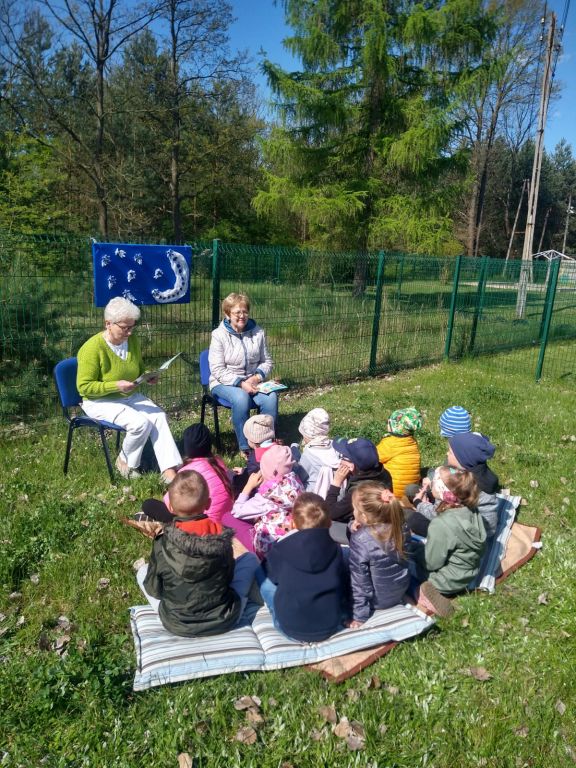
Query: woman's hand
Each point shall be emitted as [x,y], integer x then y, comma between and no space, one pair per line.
[250,384]
[125,386]
[253,482]
[344,470]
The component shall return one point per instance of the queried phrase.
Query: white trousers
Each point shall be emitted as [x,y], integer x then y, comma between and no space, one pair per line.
[142,419]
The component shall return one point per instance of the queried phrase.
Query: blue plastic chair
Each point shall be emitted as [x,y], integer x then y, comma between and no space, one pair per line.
[65,377]
[209,398]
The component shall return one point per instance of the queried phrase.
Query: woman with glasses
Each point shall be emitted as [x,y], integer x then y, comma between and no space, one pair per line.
[108,364]
[239,361]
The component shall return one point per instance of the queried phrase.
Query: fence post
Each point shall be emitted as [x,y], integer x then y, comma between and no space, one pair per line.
[277,266]
[479,301]
[215,284]
[377,310]
[450,328]
[547,315]
[400,276]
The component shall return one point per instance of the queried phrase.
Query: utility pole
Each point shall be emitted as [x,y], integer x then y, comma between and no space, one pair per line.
[568,212]
[525,182]
[526,266]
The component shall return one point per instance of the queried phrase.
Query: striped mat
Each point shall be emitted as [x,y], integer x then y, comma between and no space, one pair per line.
[162,658]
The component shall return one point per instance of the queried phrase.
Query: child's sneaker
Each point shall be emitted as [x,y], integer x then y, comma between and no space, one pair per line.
[440,604]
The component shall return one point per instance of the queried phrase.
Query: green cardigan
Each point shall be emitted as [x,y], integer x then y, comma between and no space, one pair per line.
[99,368]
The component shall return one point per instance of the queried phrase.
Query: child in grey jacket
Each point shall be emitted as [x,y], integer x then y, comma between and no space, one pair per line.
[378,563]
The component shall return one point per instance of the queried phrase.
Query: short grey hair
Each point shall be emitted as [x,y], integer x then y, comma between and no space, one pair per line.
[121,309]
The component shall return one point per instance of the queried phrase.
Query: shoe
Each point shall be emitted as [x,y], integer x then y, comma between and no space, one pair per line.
[167,479]
[441,605]
[125,470]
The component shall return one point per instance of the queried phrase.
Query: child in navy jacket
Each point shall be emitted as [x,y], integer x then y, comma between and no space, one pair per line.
[307,580]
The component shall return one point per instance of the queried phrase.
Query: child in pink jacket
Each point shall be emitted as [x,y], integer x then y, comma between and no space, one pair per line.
[270,509]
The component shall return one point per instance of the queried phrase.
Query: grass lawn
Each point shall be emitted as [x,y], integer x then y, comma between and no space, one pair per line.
[65,684]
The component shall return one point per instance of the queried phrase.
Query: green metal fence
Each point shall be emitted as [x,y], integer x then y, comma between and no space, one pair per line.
[412,310]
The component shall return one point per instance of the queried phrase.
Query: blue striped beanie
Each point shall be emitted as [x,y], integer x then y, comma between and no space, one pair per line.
[454,421]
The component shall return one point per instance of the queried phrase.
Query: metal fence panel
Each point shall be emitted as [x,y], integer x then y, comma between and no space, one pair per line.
[320,327]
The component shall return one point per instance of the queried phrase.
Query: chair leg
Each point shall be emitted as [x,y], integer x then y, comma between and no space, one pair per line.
[216,427]
[68,448]
[203,410]
[107,454]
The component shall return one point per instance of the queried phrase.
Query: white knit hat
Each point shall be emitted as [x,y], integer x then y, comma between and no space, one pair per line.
[316,423]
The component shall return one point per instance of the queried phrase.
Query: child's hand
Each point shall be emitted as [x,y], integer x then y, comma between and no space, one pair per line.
[344,470]
[355,525]
[237,470]
[253,482]
[354,624]
[426,484]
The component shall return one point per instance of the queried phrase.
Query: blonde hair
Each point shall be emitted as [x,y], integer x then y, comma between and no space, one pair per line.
[384,518]
[232,300]
[462,484]
[310,511]
[188,493]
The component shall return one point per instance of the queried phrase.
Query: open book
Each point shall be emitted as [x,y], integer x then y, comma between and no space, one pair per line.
[265,387]
[147,376]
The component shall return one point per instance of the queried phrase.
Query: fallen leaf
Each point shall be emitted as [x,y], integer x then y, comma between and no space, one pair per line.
[342,729]
[184,760]
[246,702]
[85,523]
[465,622]
[523,502]
[392,690]
[137,564]
[35,578]
[563,480]
[543,598]
[246,735]
[253,716]
[522,731]
[478,673]
[355,743]
[357,729]
[548,512]
[21,621]
[14,595]
[353,694]
[560,707]
[317,735]
[566,501]
[328,714]
[2,617]
[374,682]
[272,703]
[60,643]
[534,483]
[64,623]
[103,584]
[382,728]
[44,642]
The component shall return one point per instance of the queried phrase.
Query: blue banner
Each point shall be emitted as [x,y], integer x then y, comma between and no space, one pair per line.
[144,274]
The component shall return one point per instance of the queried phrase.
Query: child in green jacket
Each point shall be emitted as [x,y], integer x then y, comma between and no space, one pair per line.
[193,580]
[455,541]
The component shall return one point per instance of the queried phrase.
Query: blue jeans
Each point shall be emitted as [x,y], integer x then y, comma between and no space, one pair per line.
[242,403]
[267,590]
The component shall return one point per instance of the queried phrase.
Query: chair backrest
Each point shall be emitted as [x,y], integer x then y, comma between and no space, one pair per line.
[204,368]
[65,377]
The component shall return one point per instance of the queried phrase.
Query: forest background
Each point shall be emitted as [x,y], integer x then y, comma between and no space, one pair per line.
[406,126]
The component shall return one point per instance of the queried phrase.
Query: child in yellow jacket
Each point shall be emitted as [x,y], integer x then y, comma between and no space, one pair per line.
[398,450]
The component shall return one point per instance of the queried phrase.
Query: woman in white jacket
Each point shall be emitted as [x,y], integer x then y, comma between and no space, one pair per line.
[239,361]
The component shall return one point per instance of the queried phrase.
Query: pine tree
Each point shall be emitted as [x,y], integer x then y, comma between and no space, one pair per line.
[369,123]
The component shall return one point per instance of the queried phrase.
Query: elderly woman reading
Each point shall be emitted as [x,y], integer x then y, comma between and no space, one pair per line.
[239,361]
[108,364]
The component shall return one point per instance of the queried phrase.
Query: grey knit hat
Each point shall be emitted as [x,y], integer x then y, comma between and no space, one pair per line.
[260,428]
[316,423]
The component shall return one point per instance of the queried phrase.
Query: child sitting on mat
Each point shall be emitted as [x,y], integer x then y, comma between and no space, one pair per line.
[304,581]
[318,460]
[277,487]
[378,545]
[192,579]
[455,541]
[398,450]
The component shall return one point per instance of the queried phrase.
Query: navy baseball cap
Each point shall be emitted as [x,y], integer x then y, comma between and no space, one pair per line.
[360,451]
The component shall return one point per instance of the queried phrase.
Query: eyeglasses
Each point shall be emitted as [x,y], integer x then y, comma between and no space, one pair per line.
[241,313]
[125,328]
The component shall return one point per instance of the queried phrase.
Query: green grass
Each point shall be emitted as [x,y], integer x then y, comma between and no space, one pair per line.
[424,709]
